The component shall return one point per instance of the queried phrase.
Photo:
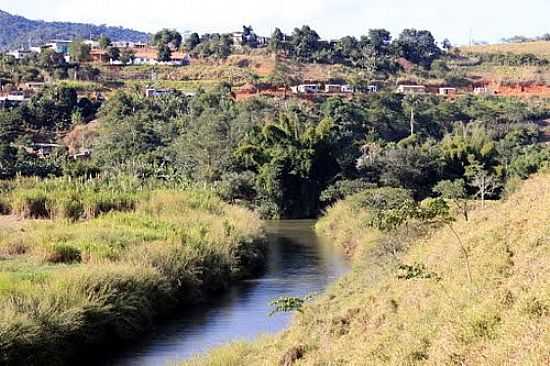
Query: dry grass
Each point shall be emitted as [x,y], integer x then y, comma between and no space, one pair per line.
[371,317]
[540,48]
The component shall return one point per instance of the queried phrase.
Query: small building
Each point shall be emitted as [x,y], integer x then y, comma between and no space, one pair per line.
[154,93]
[347,89]
[306,89]
[372,89]
[15,96]
[44,150]
[99,56]
[482,90]
[447,91]
[20,54]
[35,85]
[59,46]
[411,89]
[333,88]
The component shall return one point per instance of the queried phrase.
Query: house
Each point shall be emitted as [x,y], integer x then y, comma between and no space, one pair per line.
[411,89]
[482,90]
[306,89]
[35,85]
[347,89]
[93,44]
[154,93]
[237,38]
[20,54]
[44,150]
[59,46]
[447,91]
[372,89]
[15,96]
[99,56]
[333,88]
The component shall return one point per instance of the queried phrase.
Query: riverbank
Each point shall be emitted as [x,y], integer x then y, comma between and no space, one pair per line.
[417,298]
[71,283]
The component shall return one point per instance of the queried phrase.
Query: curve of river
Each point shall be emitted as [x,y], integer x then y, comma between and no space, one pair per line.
[299,263]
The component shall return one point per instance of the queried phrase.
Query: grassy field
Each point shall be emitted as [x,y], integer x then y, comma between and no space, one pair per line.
[102,263]
[539,48]
[476,293]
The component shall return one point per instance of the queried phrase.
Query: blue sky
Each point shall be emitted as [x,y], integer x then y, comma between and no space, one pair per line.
[488,20]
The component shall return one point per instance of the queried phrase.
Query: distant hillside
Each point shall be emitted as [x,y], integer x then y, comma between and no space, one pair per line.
[538,48]
[16,31]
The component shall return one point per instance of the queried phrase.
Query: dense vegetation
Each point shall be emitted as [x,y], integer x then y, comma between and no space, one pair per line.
[114,257]
[281,156]
[15,31]
[426,290]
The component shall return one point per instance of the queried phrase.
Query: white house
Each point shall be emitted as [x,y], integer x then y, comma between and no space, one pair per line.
[20,54]
[306,89]
[411,89]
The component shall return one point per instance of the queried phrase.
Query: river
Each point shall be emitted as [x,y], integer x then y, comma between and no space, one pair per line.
[299,263]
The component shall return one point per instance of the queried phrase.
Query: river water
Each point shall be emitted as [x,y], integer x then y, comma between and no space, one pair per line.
[299,263]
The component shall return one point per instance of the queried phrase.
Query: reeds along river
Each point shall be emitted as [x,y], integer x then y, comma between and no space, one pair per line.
[299,263]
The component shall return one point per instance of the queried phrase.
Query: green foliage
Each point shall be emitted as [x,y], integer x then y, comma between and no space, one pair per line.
[288,304]
[104,281]
[79,51]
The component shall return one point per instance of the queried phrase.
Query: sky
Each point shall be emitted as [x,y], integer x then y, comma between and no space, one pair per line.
[459,20]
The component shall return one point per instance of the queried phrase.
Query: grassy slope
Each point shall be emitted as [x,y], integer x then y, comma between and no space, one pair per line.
[68,287]
[370,317]
[540,48]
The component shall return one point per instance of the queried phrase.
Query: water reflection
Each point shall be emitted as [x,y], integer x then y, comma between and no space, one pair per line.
[299,264]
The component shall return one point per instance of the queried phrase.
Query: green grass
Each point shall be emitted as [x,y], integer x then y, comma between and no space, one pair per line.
[74,282]
[376,316]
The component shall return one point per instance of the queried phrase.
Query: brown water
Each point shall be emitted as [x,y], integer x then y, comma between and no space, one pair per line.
[299,263]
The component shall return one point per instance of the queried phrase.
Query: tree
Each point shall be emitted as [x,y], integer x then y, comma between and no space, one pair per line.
[79,51]
[418,47]
[276,44]
[485,183]
[104,42]
[192,42]
[164,54]
[127,56]
[167,37]
[304,42]
[380,40]
[456,192]
[447,45]
[113,53]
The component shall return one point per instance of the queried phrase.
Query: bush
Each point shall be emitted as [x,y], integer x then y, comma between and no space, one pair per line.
[32,204]
[62,253]
[5,206]
[69,207]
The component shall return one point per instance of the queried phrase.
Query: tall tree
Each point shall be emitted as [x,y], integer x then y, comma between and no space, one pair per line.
[79,51]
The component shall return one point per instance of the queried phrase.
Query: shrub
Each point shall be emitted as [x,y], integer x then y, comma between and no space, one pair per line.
[32,204]
[70,208]
[63,253]
[5,206]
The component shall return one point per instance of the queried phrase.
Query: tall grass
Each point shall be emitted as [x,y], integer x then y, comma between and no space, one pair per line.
[110,262]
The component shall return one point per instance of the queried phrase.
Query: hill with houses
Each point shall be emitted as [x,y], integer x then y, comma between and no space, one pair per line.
[17,31]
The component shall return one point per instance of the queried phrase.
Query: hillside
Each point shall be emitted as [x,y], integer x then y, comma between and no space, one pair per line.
[538,48]
[16,31]
[438,314]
